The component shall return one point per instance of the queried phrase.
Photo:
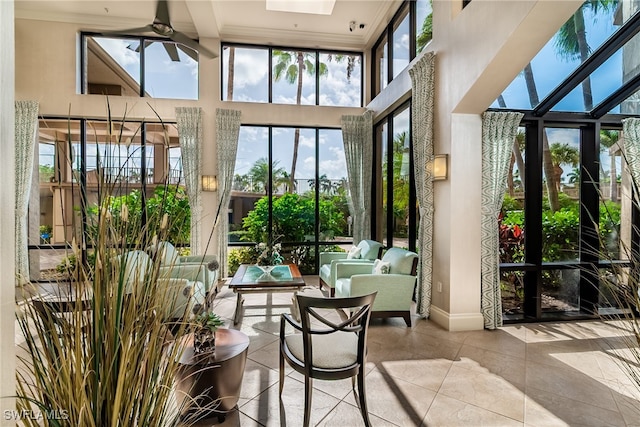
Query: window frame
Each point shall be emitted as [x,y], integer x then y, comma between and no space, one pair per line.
[270,49]
[143,43]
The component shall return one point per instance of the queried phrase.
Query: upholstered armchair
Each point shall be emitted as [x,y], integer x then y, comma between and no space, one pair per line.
[181,296]
[393,277]
[367,251]
[202,268]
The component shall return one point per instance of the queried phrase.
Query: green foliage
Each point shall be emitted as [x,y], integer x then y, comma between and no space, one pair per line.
[209,320]
[245,255]
[294,218]
[69,264]
[46,172]
[511,204]
[169,200]
[560,234]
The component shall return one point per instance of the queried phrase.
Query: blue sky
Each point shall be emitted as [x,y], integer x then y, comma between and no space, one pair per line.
[549,70]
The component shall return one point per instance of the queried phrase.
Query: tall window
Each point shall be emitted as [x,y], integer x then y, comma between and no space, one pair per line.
[77,158]
[138,66]
[291,76]
[290,187]
[573,221]
[396,201]
[405,37]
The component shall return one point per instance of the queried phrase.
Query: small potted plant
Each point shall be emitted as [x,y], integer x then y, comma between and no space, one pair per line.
[204,340]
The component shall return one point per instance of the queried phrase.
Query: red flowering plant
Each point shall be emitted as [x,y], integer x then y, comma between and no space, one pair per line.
[511,238]
[511,248]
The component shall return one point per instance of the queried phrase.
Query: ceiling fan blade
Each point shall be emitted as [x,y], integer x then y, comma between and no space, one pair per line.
[130,31]
[162,13]
[188,51]
[188,42]
[172,51]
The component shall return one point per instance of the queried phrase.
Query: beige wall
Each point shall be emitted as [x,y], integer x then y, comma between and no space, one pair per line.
[473,66]
[7,219]
[47,58]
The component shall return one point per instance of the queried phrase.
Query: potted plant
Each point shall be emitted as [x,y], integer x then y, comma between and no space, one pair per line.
[204,336]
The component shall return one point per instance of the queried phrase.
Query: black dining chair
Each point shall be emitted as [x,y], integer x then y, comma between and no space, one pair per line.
[327,349]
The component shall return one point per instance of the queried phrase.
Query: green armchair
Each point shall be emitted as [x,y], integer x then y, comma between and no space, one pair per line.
[202,268]
[181,296]
[394,280]
[369,251]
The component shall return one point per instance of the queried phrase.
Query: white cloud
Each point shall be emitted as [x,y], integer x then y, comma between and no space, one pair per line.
[250,67]
[117,48]
[564,136]
[306,141]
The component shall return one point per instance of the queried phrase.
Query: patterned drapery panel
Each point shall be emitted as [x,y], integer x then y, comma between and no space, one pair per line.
[189,120]
[227,133]
[498,133]
[357,136]
[26,117]
[422,105]
[631,132]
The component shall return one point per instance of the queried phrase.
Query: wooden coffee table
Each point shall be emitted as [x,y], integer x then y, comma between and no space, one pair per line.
[251,279]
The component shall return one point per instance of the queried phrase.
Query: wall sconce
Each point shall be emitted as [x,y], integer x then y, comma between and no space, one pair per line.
[209,183]
[440,167]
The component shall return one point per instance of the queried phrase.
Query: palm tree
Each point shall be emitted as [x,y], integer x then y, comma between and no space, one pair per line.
[231,72]
[563,154]
[292,66]
[516,155]
[571,40]
[609,138]
[547,162]
[260,173]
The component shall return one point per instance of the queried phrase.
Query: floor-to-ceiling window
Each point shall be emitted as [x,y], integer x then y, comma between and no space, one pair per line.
[569,217]
[395,206]
[559,234]
[290,187]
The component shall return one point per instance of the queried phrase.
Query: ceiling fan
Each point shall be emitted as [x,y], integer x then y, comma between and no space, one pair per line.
[162,26]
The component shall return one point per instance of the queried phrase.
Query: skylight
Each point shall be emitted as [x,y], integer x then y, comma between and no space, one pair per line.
[316,7]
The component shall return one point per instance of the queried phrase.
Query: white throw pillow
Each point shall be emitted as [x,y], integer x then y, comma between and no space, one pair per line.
[381,267]
[354,253]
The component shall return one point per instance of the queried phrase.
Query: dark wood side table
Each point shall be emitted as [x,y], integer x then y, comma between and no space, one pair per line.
[209,385]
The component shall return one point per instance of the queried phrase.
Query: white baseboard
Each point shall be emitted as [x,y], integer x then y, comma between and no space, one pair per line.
[457,322]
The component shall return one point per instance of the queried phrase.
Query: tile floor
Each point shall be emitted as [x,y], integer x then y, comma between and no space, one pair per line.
[548,374]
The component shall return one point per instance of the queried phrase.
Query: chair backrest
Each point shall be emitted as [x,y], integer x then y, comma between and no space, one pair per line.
[356,314]
[167,253]
[370,249]
[137,265]
[401,261]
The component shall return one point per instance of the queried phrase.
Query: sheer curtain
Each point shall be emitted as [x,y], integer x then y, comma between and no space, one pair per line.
[422,104]
[189,120]
[26,117]
[498,133]
[357,136]
[227,133]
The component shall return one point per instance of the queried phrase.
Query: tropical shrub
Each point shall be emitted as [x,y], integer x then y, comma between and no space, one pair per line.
[293,218]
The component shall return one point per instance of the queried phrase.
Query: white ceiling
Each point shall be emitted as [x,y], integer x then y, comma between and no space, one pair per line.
[230,20]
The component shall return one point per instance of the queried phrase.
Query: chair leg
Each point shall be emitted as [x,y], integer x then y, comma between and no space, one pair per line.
[363,398]
[281,372]
[407,318]
[307,400]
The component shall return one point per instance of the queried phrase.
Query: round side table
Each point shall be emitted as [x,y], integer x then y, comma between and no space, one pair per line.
[208,385]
